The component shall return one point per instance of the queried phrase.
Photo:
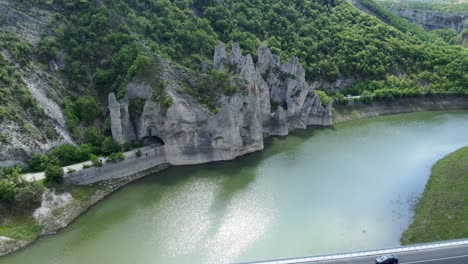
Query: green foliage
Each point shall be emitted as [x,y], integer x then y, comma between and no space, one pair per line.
[54,174]
[10,181]
[442,210]
[63,155]
[324,98]
[209,87]
[115,157]
[95,160]
[138,153]
[28,196]
[87,109]
[136,106]
[339,98]
[17,193]
[109,146]
[16,102]
[67,154]
[366,97]
[38,162]
[109,44]
[7,191]
[273,105]
[93,136]
[167,101]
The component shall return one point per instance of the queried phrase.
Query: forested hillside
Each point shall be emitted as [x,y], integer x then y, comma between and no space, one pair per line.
[93,47]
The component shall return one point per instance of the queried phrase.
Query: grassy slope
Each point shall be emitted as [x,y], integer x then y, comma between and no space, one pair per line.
[442,211]
[21,224]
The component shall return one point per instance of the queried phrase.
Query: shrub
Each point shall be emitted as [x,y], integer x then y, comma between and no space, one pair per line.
[93,136]
[366,97]
[7,191]
[66,154]
[38,162]
[109,146]
[28,196]
[70,170]
[324,99]
[54,174]
[87,166]
[87,109]
[138,153]
[167,102]
[95,160]
[116,156]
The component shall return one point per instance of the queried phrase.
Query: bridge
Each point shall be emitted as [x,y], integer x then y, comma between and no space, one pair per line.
[447,252]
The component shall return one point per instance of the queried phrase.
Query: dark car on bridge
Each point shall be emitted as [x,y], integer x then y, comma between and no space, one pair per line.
[387,259]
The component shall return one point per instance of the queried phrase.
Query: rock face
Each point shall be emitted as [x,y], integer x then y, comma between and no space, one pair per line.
[274,100]
[433,20]
[25,135]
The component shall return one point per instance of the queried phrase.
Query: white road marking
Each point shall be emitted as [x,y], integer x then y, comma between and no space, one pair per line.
[430,260]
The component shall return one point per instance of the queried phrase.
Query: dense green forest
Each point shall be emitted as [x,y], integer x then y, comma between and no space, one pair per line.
[106,42]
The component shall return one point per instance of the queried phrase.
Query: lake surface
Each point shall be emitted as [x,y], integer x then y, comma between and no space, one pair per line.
[322,191]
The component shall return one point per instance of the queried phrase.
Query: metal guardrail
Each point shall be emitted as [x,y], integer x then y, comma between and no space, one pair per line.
[416,247]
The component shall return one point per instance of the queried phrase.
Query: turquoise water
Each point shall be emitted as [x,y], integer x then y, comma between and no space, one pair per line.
[317,191]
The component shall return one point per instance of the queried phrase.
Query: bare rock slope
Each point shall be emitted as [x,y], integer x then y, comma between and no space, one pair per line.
[271,99]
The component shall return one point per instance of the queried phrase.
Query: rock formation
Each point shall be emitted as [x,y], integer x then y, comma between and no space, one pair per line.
[274,100]
[433,20]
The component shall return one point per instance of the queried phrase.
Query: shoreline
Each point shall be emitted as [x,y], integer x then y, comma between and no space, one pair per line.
[341,113]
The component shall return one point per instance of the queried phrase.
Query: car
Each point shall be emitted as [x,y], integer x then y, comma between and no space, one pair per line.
[386,259]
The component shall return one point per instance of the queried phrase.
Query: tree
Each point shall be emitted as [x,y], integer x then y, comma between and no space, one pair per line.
[92,136]
[109,146]
[86,109]
[7,191]
[38,162]
[54,174]
[324,98]
[95,160]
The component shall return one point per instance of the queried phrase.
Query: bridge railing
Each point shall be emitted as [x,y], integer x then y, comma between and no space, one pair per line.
[409,248]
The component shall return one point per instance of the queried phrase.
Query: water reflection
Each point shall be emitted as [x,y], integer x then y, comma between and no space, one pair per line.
[320,191]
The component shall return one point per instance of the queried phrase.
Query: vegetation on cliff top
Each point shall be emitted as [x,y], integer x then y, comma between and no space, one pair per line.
[105,41]
[442,211]
[102,45]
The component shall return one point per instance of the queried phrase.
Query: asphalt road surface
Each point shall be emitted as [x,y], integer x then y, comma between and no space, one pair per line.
[446,255]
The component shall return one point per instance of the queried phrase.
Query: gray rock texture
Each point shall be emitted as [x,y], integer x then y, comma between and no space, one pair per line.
[26,134]
[433,20]
[189,133]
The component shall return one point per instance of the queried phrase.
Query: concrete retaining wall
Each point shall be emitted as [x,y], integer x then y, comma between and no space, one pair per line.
[130,166]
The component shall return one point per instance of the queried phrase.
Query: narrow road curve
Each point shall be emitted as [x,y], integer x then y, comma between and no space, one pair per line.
[448,255]
[37,176]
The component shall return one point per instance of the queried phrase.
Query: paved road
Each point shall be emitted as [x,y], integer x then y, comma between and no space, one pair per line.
[37,176]
[449,255]
[445,252]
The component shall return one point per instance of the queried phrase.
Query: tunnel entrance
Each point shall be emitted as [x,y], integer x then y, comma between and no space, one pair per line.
[151,140]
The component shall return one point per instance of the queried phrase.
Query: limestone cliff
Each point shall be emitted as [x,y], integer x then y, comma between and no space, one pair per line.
[27,133]
[271,99]
[433,20]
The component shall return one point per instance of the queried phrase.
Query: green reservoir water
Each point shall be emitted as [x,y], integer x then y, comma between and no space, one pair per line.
[319,191]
